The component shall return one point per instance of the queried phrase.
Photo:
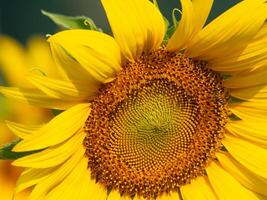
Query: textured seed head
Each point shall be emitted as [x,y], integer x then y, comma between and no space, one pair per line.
[156,126]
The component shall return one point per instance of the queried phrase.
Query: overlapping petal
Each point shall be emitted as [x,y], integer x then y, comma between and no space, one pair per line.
[223,36]
[32,177]
[21,130]
[56,176]
[40,58]
[250,155]
[198,189]
[256,93]
[59,89]
[88,56]
[226,186]
[194,16]
[250,57]
[137,26]
[70,188]
[243,175]
[247,78]
[255,131]
[59,129]
[247,111]
[36,97]
[52,156]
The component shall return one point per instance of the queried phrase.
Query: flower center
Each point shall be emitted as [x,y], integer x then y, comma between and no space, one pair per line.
[156,126]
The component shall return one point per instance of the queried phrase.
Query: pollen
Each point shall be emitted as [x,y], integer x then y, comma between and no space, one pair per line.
[156,126]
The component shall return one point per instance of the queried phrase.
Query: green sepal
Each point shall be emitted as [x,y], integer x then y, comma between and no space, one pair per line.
[226,76]
[174,20]
[223,148]
[171,29]
[6,152]
[168,26]
[69,22]
[168,34]
[233,117]
[56,112]
[235,100]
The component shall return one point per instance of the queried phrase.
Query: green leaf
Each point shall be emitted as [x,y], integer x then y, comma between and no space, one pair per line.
[6,152]
[69,22]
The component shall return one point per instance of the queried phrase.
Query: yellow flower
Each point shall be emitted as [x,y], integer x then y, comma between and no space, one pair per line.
[14,64]
[147,121]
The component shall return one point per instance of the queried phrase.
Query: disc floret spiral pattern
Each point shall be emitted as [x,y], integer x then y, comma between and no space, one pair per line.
[156,126]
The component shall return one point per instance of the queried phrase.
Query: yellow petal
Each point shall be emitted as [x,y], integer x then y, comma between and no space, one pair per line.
[244,176]
[251,156]
[21,130]
[249,113]
[255,131]
[261,197]
[70,69]
[115,195]
[194,16]
[52,156]
[184,30]
[225,186]
[57,176]
[257,106]
[39,56]
[71,187]
[62,127]
[73,91]
[89,188]
[247,78]
[35,97]
[198,189]
[165,196]
[32,177]
[261,34]
[94,190]
[86,53]
[201,13]
[13,61]
[138,198]
[137,26]
[170,196]
[252,56]
[257,93]
[223,36]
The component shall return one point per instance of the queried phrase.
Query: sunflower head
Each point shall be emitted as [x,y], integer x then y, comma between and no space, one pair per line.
[146,119]
[149,125]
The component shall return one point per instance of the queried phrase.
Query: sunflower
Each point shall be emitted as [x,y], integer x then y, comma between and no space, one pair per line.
[13,71]
[147,119]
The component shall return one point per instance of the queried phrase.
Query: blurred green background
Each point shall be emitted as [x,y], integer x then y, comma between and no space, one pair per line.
[22,18]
